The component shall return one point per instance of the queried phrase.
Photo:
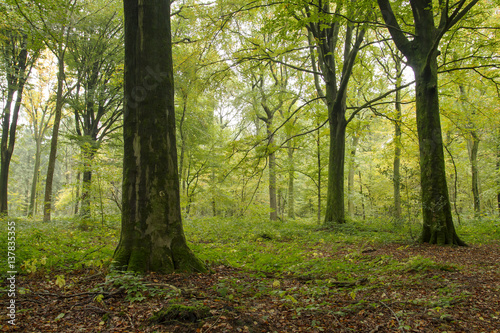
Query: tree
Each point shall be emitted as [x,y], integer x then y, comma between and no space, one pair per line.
[19,52]
[95,55]
[53,21]
[39,111]
[421,53]
[152,236]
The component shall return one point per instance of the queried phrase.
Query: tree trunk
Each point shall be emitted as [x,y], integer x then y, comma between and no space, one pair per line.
[350,177]
[86,200]
[473,147]
[51,167]
[152,236]
[397,145]
[335,213]
[422,52]
[318,151]
[77,196]
[273,215]
[34,183]
[438,227]
[291,179]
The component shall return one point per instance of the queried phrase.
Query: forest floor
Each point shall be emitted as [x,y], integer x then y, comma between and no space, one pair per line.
[361,287]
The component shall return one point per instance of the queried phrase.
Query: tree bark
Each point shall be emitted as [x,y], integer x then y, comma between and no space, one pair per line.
[152,236]
[438,227]
[335,212]
[473,148]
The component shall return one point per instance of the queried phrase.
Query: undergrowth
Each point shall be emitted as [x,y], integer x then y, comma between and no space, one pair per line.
[298,247]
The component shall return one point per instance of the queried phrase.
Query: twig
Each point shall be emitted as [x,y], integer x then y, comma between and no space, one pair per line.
[210,327]
[395,316]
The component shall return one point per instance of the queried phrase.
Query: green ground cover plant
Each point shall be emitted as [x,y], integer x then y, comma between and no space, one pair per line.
[264,276]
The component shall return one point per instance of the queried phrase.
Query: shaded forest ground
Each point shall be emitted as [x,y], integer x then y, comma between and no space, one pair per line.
[266,277]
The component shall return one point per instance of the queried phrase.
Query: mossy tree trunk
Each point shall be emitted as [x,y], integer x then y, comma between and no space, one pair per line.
[152,236]
[421,53]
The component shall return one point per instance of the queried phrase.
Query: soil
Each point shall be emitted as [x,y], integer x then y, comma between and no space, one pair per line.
[458,292]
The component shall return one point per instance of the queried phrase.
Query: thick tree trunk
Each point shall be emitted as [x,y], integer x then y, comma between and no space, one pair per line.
[51,167]
[335,213]
[421,52]
[152,236]
[438,227]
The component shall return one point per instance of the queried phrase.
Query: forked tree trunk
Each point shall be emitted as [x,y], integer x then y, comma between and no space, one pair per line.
[152,236]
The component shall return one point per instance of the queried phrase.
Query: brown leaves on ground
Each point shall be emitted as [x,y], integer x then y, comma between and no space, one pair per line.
[419,298]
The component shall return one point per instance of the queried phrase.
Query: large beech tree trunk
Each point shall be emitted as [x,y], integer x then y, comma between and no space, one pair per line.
[335,211]
[438,227]
[421,52]
[152,236]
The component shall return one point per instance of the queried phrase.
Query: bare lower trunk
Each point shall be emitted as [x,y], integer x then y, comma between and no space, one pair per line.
[438,227]
[152,236]
[335,213]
